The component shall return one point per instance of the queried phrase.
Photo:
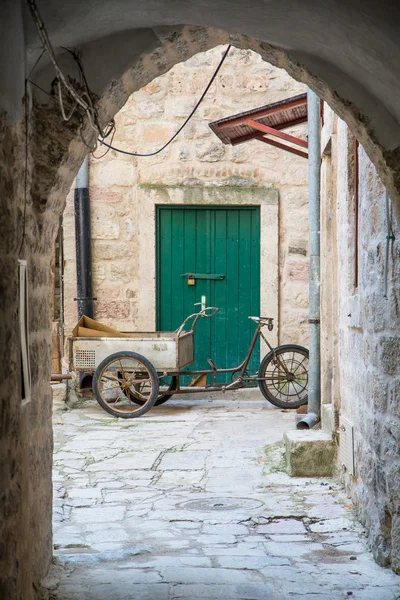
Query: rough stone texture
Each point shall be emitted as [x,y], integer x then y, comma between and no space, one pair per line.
[25,427]
[26,435]
[309,454]
[123,527]
[195,169]
[362,337]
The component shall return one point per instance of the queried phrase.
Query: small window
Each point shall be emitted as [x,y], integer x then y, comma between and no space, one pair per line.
[23,330]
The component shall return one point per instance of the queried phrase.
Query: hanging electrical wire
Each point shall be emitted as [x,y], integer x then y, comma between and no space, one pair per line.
[184,123]
[62,82]
[84,99]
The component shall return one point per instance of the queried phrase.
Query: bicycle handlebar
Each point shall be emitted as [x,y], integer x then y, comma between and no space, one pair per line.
[196,316]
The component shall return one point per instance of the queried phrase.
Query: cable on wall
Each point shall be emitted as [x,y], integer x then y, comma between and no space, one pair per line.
[184,123]
[84,99]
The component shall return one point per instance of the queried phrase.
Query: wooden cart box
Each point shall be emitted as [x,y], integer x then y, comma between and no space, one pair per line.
[165,350]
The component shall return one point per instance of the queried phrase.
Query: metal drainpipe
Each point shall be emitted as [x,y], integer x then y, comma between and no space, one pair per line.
[389,237]
[314,186]
[83,242]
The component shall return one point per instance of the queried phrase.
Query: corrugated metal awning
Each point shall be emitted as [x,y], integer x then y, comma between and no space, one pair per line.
[265,123]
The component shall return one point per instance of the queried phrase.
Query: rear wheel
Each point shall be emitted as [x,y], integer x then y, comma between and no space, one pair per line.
[124,375]
[284,376]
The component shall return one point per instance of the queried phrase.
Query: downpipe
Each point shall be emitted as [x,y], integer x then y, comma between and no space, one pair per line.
[83,250]
[389,238]
[83,242]
[314,198]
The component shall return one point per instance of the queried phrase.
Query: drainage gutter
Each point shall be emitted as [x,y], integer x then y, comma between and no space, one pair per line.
[314,186]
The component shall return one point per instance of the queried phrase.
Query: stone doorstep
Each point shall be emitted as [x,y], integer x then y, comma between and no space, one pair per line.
[309,453]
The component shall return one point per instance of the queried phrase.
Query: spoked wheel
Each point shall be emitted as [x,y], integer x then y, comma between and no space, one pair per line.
[284,374]
[166,384]
[121,376]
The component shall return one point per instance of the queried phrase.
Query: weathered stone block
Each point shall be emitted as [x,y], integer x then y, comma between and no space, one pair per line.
[105,230]
[150,109]
[396,544]
[115,172]
[297,270]
[211,152]
[390,352]
[113,309]
[104,194]
[110,251]
[309,454]
[393,484]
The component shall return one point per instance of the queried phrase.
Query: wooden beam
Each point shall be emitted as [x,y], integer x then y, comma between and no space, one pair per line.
[277,107]
[261,138]
[251,136]
[276,133]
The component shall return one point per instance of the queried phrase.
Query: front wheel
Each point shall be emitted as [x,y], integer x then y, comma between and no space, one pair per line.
[166,385]
[283,376]
[122,375]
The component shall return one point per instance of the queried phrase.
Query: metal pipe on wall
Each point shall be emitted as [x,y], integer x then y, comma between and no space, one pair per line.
[314,194]
[389,237]
[83,242]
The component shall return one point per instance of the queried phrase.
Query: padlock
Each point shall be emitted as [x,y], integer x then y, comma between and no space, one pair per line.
[191,280]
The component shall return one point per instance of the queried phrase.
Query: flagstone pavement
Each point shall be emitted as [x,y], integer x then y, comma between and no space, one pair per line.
[191,501]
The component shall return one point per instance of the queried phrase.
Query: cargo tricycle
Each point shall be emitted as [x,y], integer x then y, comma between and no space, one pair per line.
[141,370]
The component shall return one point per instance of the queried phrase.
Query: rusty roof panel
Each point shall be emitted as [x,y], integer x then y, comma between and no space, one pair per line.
[279,115]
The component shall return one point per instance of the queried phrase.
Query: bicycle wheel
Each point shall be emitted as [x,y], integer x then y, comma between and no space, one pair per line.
[166,384]
[121,375]
[284,376]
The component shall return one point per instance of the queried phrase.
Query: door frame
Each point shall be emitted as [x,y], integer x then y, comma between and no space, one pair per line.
[149,197]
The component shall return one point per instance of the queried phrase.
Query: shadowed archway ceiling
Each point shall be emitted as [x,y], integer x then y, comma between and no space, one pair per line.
[352,46]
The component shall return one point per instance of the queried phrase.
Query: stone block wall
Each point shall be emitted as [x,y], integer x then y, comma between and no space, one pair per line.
[26,441]
[366,367]
[123,217]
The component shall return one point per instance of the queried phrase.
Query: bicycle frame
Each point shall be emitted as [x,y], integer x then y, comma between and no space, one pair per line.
[242,378]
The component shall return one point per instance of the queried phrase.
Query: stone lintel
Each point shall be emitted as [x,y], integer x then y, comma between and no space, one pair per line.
[223,193]
[309,454]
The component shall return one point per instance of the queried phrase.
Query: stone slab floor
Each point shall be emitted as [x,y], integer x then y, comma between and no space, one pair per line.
[191,501]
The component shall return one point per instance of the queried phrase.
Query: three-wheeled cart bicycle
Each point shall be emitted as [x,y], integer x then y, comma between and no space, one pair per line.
[133,374]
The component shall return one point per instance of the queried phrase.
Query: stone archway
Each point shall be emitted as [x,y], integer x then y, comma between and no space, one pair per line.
[36,176]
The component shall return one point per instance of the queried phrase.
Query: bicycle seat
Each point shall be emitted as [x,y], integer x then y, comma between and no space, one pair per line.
[262,321]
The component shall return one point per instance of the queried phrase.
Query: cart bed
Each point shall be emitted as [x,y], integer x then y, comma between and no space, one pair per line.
[164,349]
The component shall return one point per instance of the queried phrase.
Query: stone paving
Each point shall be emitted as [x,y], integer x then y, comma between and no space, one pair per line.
[191,501]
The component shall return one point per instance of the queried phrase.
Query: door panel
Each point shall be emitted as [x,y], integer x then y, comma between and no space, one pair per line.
[211,241]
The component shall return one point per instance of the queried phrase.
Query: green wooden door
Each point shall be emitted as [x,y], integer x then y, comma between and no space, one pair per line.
[210,242]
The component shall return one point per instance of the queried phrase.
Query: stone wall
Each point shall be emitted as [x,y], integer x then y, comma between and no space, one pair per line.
[365,370]
[123,208]
[25,426]
[55,151]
